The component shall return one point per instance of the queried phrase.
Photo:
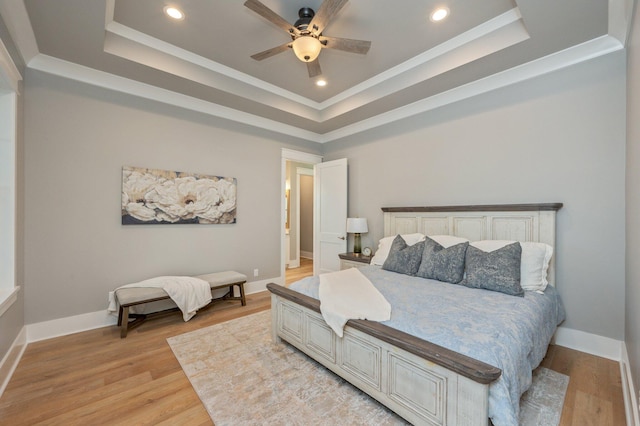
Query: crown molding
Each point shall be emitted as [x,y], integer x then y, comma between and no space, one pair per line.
[19,26]
[17,21]
[494,35]
[9,73]
[62,68]
[571,56]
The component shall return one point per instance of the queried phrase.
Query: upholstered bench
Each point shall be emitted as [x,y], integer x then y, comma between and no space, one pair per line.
[132,296]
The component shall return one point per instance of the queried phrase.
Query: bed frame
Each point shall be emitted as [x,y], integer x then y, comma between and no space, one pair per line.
[424,383]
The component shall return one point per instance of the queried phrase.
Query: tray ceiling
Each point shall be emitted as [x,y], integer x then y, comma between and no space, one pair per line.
[203,61]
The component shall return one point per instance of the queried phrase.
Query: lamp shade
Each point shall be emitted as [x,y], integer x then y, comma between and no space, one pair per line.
[307,48]
[357,225]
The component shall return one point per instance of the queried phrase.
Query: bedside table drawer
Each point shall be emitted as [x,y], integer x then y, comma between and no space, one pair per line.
[351,260]
[346,264]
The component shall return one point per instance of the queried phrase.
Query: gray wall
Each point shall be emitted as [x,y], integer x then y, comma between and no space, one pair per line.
[632,311]
[12,321]
[77,139]
[556,138]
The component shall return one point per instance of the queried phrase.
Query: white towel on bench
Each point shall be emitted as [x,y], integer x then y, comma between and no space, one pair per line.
[348,294]
[188,293]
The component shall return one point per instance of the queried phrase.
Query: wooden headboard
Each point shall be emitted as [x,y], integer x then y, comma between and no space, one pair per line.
[517,222]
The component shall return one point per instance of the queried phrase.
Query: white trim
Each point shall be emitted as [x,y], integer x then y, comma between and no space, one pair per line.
[593,344]
[8,70]
[12,359]
[462,49]
[8,212]
[258,286]
[306,172]
[620,13]
[571,56]
[17,21]
[293,263]
[629,390]
[92,320]
[69,325]
[300,157]
[553,62]
[20,28]
[306,254]
[116,83]
[7,298]
[188,59]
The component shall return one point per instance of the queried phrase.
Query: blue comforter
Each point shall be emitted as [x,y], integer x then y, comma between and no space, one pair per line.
[508,332]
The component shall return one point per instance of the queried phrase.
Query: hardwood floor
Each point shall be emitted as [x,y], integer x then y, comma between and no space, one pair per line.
[96,378]
[295,274]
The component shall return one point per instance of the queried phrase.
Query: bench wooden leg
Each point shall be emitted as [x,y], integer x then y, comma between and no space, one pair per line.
[123,321]
[242,296]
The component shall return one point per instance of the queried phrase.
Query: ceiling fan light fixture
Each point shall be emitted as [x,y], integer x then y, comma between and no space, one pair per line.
[307,48]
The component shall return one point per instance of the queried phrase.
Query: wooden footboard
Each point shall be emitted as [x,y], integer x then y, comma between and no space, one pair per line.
[424,383]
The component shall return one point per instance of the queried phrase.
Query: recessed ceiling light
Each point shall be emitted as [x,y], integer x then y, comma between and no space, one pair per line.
[439,14]
[174,13]
[321,83]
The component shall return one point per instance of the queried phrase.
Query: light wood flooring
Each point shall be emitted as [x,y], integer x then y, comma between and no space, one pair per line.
[295,274]
[96,378]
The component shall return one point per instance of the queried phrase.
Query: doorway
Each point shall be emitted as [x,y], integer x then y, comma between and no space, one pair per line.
[299,224]
[297,214]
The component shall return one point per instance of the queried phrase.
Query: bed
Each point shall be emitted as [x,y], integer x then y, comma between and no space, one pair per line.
[422,370]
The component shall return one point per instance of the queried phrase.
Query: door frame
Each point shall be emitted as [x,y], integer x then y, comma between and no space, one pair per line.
[299,157]
[300,171]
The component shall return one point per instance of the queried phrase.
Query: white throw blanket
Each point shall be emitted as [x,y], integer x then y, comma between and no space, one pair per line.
[348,294]
[188,293]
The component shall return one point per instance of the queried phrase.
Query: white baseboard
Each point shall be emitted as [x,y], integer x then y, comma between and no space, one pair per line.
[590,343]
[629,390]
[294,263]
[92,320]
[12,358]
[573,339]
[605,347]
[69,325]
[306,254]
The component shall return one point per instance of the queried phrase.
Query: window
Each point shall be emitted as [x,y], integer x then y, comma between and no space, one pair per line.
[9,78]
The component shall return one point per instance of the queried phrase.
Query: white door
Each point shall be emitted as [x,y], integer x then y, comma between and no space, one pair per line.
[330,215]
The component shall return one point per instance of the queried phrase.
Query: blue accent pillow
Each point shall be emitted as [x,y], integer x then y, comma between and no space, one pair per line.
[498,270]
[443,264]
[403,258]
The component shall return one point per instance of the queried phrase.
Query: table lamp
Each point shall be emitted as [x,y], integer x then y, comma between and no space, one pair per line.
[357,226]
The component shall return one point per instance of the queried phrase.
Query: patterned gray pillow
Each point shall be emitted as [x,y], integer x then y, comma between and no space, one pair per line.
[443,264]
[403,258]
[498,270]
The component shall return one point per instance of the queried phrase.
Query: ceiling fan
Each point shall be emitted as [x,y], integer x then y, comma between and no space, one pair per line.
[306,34]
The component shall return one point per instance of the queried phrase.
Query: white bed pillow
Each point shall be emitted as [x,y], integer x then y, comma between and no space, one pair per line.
[384,246]
[448,240]
[534,263]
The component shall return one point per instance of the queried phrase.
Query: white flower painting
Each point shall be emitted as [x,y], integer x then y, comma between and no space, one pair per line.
[152,196]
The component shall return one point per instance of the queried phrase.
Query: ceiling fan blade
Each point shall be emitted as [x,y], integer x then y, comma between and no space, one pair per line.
[271,16]
[271,52]
[327,11]
[346,44]
[314,68]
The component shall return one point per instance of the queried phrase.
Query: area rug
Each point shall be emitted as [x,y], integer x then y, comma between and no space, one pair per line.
[242,378]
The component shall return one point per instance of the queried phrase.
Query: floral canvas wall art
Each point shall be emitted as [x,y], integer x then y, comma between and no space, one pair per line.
[152,196]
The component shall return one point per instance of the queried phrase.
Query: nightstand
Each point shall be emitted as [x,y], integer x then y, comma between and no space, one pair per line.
[352,260]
